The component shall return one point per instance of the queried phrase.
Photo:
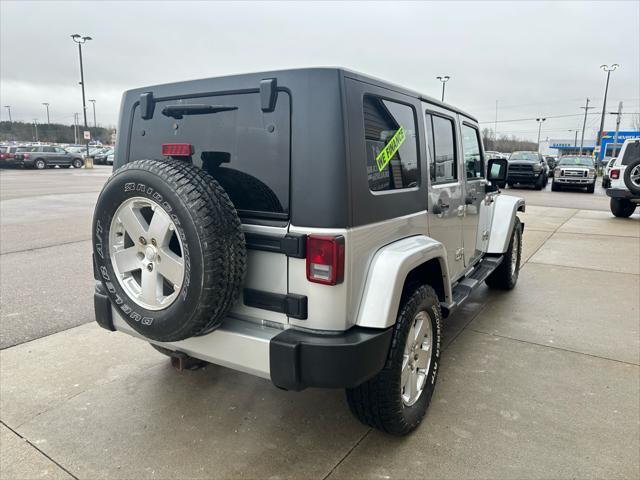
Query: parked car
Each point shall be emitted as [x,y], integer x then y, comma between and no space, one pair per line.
[528,168]
[110,159]
[47,156]
[101,157]
[574,171]
[606,180]
[76,149]
[225,245]
[624,190]
[8,155]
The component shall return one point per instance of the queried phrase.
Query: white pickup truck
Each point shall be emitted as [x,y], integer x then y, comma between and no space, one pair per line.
[624,179]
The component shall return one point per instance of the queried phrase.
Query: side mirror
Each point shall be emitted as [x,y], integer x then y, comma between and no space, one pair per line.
[497,170]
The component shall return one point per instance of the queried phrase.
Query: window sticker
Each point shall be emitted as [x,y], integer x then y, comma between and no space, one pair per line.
[390,149]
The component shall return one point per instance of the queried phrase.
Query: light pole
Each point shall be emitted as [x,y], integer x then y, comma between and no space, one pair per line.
[47,107]
[80,40]
[35,124]
[8,107]
[95,124]
[575,140]
[607,69]
[444,79]
[539,120]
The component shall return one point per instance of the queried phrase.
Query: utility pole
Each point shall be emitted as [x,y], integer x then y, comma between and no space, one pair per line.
[615,138]
[75,128]
[80,40]
[539,120]
[95,124]
[584,123]
[607,69]
[444,79]
[495,125]
[35,124]
[47,107]
[8,107]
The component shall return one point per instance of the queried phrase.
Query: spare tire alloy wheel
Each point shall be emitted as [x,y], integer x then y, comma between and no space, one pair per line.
[632,177]
[40,164]
[169,249]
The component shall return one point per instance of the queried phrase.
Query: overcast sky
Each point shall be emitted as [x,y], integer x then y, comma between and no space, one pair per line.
[535,59]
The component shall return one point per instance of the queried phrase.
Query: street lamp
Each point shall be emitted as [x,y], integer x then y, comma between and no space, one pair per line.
[607,69]
[35,124]
[95,124]
[539,120]
[444,79]
[575,140]
[47,107]
[80,40]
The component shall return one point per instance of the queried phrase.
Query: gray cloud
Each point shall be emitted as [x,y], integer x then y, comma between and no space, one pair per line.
[535,58]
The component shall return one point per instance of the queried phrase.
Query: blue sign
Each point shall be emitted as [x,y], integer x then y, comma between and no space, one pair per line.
[608,148]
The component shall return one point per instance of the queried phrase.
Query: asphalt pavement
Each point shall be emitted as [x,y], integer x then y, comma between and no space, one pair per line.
[539,382]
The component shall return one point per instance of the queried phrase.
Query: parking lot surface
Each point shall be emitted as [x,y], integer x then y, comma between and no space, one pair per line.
[539,382]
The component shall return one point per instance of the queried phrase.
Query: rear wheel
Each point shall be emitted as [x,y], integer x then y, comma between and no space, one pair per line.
[40,164]
[621,207]
[506,275]
[396,399]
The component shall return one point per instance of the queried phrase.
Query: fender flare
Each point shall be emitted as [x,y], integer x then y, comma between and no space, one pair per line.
[505,206]
[387,274]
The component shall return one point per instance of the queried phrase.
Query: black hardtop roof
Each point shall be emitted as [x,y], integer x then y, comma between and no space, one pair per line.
[255,77]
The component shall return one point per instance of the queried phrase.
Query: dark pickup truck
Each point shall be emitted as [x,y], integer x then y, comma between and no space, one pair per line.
[44,156]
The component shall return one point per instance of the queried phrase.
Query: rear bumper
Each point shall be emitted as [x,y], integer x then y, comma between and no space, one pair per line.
[291,359]
[622,193]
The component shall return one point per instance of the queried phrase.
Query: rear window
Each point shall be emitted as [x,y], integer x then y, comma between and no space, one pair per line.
[631,153]
[245,149]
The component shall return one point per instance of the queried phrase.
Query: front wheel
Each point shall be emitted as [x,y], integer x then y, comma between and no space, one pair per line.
[539,185]
[506,275]
[396,399]
[591,188]
[555,187]
[40,164]
[621,207]
[77,163]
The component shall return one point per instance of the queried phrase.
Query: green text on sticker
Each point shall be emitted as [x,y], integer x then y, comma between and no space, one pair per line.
[390,149]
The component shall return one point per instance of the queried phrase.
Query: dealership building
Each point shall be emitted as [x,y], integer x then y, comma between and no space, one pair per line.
[571,146]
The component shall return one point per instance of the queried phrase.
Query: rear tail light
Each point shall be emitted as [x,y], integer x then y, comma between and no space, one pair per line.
[176,149]
[25,155]
[614,173]
[325,259]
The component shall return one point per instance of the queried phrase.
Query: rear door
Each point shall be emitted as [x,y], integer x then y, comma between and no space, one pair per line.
[474,191]
[247,151]
[445,202]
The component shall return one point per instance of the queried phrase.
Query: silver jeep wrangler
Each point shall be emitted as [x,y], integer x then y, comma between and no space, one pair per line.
[313,227]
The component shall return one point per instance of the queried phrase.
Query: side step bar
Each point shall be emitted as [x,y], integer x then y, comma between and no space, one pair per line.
[465,287]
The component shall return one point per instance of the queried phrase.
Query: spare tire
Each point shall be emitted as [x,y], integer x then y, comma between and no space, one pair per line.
[632,177]
[169,248]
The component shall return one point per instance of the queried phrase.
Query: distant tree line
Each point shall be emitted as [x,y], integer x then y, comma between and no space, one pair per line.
[504,143]
[52,132]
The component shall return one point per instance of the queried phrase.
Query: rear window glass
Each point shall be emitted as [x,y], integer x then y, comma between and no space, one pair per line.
[631,153]
[391,144]
[245,149]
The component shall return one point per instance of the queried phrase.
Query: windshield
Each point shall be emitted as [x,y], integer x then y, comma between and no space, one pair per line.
[582,161]
[527,156]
